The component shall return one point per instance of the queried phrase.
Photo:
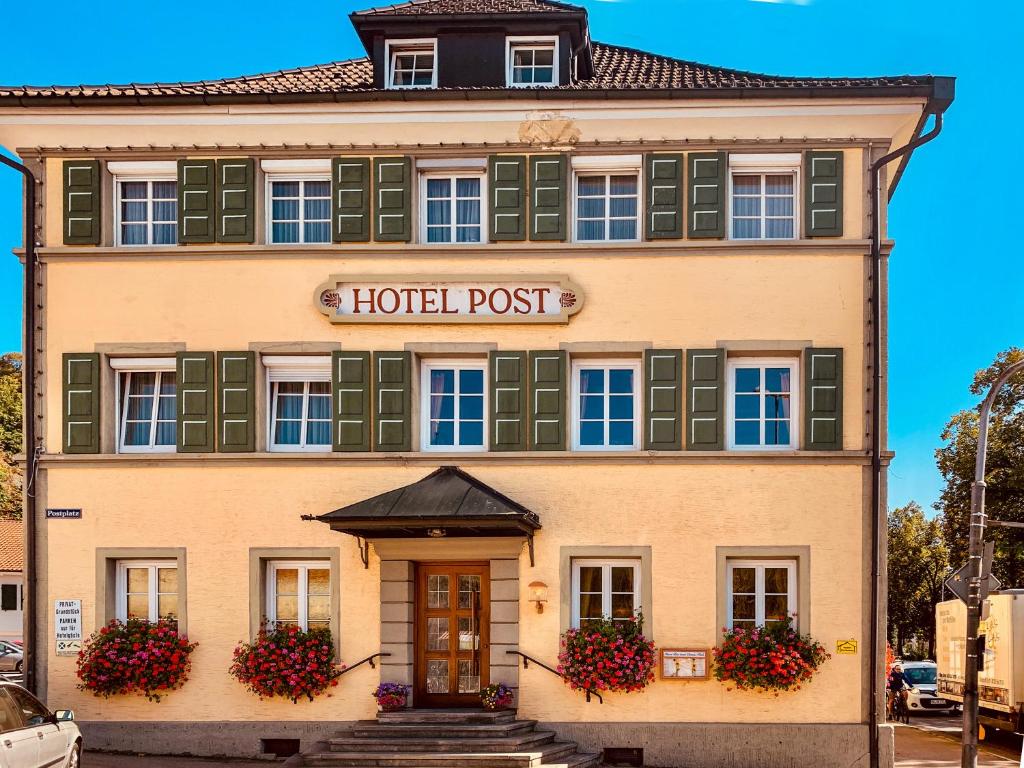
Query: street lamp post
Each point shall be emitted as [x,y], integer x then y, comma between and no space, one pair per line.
[976,551]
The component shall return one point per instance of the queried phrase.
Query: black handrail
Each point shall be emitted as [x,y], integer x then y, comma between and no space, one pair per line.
[526,665]
[368,660]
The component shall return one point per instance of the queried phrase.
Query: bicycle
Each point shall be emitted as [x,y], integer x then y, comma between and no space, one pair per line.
[900,710]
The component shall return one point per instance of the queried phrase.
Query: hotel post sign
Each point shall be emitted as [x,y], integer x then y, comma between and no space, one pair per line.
[449,299]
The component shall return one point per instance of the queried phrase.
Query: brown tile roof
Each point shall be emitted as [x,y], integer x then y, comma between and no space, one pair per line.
[617,69]
[468,8]
[12,545]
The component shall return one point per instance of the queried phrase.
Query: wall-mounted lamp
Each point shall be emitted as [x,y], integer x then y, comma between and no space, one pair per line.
[539,594]
[436,533]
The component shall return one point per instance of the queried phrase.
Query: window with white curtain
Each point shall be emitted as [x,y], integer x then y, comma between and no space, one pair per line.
[605,589]
[762,404]
[146,405]
[147,590]
[147,211]
[760,592]
[454,208]
[411,64]
[607,206]
[299,594]
[532,61]
[300,209]
[300,402]
[454,406]
[605,405]
[763,196]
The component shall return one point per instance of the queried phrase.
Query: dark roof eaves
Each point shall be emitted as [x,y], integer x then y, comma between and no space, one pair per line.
[915,90]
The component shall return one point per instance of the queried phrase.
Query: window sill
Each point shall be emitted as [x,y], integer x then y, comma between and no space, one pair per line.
[511,458]
[501,250]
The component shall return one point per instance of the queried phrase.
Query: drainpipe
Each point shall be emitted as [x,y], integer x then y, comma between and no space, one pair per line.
[28,378]
[942,98]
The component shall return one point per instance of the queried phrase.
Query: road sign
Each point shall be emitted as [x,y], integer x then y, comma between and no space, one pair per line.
[959,582]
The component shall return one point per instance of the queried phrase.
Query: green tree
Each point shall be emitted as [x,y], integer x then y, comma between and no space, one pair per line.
[10,434]
[918,565]
[1004,471]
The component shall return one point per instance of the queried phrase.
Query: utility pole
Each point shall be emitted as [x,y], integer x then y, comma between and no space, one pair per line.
[975,596]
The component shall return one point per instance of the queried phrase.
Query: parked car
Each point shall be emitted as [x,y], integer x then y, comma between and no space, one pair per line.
[10,657]
[923,677]
[31,735]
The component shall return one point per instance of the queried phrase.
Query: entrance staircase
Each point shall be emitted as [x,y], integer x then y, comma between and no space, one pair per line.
[453,738]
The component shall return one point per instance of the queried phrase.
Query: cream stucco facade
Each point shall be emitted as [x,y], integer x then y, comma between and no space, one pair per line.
[687,510]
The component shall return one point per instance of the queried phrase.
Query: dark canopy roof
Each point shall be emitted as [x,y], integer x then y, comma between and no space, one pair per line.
[446,499]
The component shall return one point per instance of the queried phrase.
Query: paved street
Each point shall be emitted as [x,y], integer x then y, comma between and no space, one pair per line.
[933,741]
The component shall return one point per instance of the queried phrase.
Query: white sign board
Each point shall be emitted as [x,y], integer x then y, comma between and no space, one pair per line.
[449,299]
[67,626]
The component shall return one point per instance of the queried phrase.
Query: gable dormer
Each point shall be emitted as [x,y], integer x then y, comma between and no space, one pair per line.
[476,44]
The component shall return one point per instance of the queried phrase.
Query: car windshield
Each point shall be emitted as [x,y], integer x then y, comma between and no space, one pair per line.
[920,675]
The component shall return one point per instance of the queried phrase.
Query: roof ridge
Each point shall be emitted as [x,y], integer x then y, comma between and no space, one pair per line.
[386,10]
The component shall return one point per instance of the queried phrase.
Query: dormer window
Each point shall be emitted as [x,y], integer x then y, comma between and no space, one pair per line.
[532,61]
[412,64]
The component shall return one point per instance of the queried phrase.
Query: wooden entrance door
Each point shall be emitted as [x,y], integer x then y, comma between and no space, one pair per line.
[452,638]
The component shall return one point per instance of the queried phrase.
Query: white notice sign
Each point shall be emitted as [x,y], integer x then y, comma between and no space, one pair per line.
[67,626]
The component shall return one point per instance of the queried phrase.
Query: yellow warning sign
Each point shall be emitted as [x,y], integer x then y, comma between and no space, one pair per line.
[846,647]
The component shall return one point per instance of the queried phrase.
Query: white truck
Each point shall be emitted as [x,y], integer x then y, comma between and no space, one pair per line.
[1001,679]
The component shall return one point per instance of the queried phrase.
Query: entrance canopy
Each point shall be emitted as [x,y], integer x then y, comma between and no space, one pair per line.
[447,502]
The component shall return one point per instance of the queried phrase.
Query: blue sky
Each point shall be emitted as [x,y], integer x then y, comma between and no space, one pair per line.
[954,217]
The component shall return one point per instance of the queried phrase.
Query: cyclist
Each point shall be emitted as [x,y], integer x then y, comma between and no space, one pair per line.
[897,686]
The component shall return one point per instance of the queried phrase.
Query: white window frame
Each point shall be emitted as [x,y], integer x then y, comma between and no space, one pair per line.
[453,176]
[535,42]
[394,48]
[148,173]
[294,368]
[585,363]
[121,583]
[608,167]
[759,595]
[765,164]
[606,584]
[795,416]
[303,567]
[426,367]
[299,177]
[131,365]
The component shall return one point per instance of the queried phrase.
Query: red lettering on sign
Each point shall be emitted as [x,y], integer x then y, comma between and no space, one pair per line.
[445,309]
[507,297]
[408,292]
[428,299]
[356,301]
[477,297]
[522,297]
[540,293]
[394,301]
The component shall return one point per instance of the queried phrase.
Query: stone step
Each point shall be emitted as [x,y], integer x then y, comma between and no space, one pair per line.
[374,729]
[444,744]
[555,753]
[577,760]
[455,716]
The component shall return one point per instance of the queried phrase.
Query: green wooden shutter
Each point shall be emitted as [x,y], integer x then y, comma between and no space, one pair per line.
[508,401]
[548,394]
[196,201]
[548,194]
[196,406]
[507,182]
[706,192]
[236,395]
[663,404]
[393,215]
[350,400]
[82,202]
[350,199]
[236,206]
[823,394]
[393,412]
[664,208]
[823,194]
[705,399]
[81,377]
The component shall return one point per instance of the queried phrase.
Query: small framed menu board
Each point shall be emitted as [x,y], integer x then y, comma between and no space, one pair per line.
[684,663]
